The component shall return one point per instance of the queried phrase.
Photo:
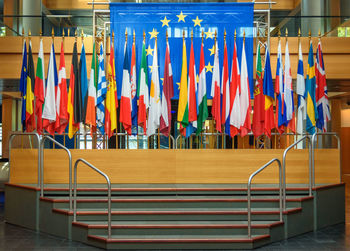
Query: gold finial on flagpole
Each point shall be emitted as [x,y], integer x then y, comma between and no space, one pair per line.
[134,37]
[63,34]
[286,34]
[23,32]
[68,32]
[202,36]
[53,34]
[126,35]
[192,35]
[243,36]
[29,33]
[309,36]
[144,36]
[183,35]
[279,34]
[235,34]
[319,34]
[225,35]
[166,35]
[156,37]
[82,35]
[299,34]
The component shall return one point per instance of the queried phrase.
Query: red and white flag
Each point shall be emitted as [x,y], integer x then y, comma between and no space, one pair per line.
[235,91]
[245,96]
[167,94]
[215,91]
[225,92]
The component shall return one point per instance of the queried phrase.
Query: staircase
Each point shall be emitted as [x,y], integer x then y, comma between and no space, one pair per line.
[167,218]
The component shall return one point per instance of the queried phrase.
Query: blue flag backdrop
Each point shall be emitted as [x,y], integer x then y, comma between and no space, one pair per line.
[176,17]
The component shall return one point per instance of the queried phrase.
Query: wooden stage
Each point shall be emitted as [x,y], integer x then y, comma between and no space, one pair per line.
[200,166]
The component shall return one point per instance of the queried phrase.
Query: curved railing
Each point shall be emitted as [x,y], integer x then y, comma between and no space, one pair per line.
[109,193]
[42,167]
[305,138]
[314,141]
[249,193]
[13,135]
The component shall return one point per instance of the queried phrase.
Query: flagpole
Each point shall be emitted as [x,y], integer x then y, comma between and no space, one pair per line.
[223,126]
[155,46]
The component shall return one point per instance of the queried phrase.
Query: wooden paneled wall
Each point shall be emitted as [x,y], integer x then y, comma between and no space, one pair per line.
[174,166]
[336,54]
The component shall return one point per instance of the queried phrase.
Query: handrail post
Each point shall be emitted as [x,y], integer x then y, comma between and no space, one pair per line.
[249,209]
[284,195]
[109,193]
[12,136]
[42,167]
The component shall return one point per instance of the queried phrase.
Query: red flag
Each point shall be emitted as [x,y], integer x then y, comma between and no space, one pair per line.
[168,93]
[61,96]
[225,91]
[259,99]
[192,88]
[39,89]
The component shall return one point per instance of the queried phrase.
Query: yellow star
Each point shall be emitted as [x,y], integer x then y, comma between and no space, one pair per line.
[212,50]
[197,21]
[162,79]
[209,67]
[197,78]
[165,22]
[181,17]
[149,51]
[153,33]
[178,83]
[209,34]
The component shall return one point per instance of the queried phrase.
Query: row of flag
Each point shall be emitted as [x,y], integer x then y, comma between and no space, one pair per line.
[50,106]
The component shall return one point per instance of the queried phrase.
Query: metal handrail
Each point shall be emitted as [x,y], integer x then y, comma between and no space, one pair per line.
[307,138]
[249,193]
[109,193]
[12,136]
[42,167]
[314,141]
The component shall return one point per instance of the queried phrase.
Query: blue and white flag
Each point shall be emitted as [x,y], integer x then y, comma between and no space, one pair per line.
[101,93]
[301,112]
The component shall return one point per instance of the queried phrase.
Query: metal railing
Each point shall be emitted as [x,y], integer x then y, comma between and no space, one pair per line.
[307,138]
[109,193]
[314,141]
[13,135]
[42,167]
[249,193]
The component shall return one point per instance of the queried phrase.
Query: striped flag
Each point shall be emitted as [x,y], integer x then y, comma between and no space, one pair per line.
[192,97]
[235,92]
[245,96]
[202,94]
[301,112]
[182,113]
[90,118]
[39,89]
[225,92]
[288,91]
[133,88]
[30,117]
[154,100]
[83,85]
[23,85]
[259,99]
[50,110]
[142,91]
[61,96]
[73,126]
[167,94]
[310,92]
[280,115]
[111,102]
[125,100]
[269,122]
[215,91]
[101,93]
[324,114]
